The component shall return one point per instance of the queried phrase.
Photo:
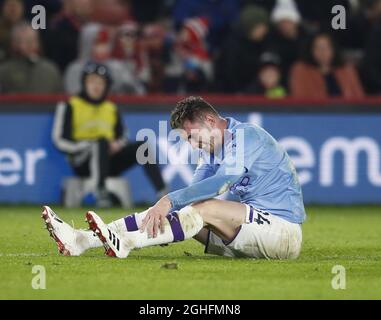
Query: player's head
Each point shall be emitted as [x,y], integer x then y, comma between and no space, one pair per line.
[96,81]
[200,123]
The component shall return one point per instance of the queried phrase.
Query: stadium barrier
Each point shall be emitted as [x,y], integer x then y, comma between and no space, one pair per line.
[335,145]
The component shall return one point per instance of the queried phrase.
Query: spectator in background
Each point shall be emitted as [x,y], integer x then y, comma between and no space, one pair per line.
[128,48]
[221,14]
[12,13]
[268,80]
[238,61]
[62,40]
[27,71]
[191,52]
[371,64]
[52,9]
[124,80]
[193,49]
[87,37]
[287,37]
[155,45]
[323,73]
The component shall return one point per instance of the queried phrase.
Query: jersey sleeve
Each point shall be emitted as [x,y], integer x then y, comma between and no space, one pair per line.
[203,171]
[242,151]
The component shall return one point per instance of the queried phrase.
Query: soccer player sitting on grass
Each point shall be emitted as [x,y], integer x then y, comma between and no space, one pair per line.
[239,157]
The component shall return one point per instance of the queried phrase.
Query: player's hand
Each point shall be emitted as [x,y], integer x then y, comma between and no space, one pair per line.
[154,220]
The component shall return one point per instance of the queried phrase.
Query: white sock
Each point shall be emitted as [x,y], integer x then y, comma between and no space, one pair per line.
[88,240]
[178,226]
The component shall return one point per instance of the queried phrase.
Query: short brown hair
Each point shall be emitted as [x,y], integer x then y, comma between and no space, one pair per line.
[191,108]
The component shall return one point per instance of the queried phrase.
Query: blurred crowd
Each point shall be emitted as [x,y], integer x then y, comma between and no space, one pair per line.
[273,48]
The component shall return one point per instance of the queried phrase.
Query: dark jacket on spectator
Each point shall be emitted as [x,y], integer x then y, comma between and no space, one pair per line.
[238,63]
[287,49]
[371,65]
[21,75]
[306,81]
[61,41]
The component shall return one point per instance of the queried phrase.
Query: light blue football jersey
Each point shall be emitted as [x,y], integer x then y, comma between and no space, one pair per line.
[253,166]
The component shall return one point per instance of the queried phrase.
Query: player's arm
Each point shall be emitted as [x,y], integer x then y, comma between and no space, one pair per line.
[62,131]
[232,168]
[228,173]
[202,172]
[205,189]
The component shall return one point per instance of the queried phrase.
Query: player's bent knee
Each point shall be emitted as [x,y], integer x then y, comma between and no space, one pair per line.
[191,221]
[205,214]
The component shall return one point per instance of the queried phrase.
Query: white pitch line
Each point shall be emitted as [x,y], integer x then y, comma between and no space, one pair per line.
[23,255]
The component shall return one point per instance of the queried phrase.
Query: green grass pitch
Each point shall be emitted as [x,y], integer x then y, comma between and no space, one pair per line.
[347,236]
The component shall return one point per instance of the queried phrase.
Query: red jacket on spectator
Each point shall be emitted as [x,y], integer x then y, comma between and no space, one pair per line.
[306,81]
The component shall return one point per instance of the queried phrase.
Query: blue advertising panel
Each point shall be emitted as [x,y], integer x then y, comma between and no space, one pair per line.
[337,156]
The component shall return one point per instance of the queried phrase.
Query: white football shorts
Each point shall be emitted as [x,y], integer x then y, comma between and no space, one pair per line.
[263,236]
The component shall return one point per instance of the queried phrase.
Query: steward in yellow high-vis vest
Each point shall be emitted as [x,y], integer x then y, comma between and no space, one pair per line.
[91,122]
[89,129]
